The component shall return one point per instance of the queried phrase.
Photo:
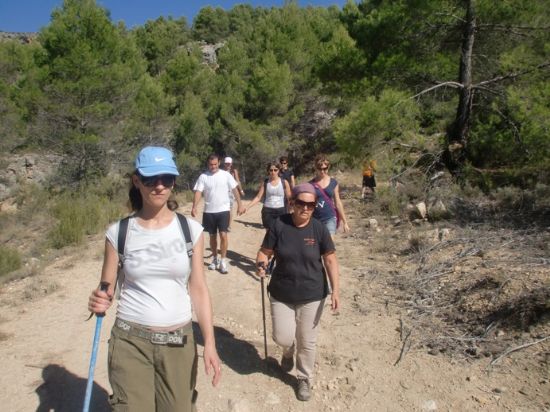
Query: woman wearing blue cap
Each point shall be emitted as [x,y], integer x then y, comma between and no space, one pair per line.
[305,255]
[152,352]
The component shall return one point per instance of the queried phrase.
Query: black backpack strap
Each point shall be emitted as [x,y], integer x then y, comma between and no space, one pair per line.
[184,225]
[121,242]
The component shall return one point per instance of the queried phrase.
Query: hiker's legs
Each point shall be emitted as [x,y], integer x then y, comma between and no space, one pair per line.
[223,244]
[176,375]
[214,244]
[209,224]
[223,226]
[131,373]
[283,320]
[308,316]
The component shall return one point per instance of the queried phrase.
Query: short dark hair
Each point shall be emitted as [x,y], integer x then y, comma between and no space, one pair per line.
[283,159]
[213,156]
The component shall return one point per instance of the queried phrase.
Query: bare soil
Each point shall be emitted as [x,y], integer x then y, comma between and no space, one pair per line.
[432,319]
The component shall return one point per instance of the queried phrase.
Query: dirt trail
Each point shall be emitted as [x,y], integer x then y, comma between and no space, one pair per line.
[46,344]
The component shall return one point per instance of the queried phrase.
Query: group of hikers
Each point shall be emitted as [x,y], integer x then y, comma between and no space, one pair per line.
[152,357]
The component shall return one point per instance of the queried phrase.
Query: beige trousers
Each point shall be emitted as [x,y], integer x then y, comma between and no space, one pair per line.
[295,328]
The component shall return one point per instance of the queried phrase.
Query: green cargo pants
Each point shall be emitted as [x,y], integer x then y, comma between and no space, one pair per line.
[147,377]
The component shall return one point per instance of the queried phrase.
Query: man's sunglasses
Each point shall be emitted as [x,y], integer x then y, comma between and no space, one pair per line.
[302,205]
[284,163]
[165,180]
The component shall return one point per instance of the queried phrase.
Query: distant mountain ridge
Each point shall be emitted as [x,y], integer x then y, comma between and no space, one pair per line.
[23,37]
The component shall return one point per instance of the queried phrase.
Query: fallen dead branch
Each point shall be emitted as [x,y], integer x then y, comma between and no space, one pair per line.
[517,348]
[406,341]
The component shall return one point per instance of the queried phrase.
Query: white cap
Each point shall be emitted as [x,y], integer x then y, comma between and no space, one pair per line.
[228,160]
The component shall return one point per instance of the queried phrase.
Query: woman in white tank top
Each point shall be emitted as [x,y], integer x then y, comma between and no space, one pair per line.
[274,190]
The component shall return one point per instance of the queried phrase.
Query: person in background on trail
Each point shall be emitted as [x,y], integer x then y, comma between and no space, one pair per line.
[274,190]
[161,287]
[215,185]
[330,209]
[228,167]
[369,182]
[305,255]
[285,172]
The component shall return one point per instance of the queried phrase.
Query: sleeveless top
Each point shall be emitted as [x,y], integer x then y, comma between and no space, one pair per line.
[323,211]
[274,195]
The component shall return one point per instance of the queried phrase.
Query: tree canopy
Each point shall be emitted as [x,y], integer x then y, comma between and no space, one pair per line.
[474,71]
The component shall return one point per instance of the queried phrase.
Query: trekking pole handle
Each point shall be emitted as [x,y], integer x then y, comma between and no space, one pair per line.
[104,287]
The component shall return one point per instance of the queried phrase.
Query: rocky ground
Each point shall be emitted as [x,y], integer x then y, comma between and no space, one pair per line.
[434,318]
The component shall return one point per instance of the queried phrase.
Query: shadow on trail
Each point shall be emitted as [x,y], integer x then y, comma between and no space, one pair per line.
[242,356]
[247,265]
[250,224]
[63,391]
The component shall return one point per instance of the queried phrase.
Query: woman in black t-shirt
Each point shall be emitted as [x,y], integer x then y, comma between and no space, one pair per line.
[305,255]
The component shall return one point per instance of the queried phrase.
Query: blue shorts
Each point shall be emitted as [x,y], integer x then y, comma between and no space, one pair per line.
[331,225]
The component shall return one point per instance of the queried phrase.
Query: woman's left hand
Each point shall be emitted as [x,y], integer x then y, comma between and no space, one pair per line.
[212,362]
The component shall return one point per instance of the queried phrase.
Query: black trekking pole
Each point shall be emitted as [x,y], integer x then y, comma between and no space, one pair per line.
[263,313]
[103,286]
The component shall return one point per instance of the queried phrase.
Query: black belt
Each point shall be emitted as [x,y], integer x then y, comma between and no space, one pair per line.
[175,337]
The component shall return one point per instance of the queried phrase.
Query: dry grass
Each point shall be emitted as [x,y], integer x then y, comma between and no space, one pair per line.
[39,288]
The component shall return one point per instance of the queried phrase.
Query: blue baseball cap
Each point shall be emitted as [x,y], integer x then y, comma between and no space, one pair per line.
[152,161]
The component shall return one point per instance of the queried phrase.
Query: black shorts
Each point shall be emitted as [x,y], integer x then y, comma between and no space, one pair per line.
[369,181]
[215,222]
[270,215]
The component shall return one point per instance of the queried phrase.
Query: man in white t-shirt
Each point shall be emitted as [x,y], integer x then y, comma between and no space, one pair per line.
[215,185]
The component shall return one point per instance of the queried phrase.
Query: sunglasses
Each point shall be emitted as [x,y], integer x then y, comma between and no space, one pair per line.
[273,170]
[302,205]
[284,163]
[323,168]
[165,180]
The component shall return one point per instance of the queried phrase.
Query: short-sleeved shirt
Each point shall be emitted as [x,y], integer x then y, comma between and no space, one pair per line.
[299,275]
[215,188]
[324,210]
[156,272]
[286,174]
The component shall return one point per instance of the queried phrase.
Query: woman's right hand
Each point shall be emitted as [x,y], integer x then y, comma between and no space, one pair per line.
[261,268]
[100,301]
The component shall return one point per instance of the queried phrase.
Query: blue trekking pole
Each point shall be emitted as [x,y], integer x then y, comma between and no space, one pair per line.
[103,286]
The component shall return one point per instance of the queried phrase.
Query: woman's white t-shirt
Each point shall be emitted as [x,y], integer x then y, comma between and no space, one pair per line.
[156,271]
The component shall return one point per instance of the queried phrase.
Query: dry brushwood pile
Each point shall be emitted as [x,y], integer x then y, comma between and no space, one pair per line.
[467,289]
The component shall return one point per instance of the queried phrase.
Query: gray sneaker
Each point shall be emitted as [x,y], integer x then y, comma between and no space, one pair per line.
[303,391]
[214,265]
[223,267]
[287,363]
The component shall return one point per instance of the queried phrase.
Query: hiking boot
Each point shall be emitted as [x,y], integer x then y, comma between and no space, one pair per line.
[303,391]
[223,267]
[287,363]
[214,265]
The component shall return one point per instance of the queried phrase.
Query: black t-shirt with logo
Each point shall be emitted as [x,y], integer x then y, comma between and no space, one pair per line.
[299,274]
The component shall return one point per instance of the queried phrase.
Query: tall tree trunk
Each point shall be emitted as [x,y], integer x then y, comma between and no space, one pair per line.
[457,135]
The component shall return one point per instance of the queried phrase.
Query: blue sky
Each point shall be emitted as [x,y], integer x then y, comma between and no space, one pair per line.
[31,15]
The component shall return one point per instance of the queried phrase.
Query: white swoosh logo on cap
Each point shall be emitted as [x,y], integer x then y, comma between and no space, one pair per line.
[159,159]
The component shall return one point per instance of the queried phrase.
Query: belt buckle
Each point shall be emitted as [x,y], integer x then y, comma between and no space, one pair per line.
[159,338]
[177,339]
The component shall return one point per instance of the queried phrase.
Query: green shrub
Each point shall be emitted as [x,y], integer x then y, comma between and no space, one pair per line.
[81,214]
[390,200]
[10,260]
